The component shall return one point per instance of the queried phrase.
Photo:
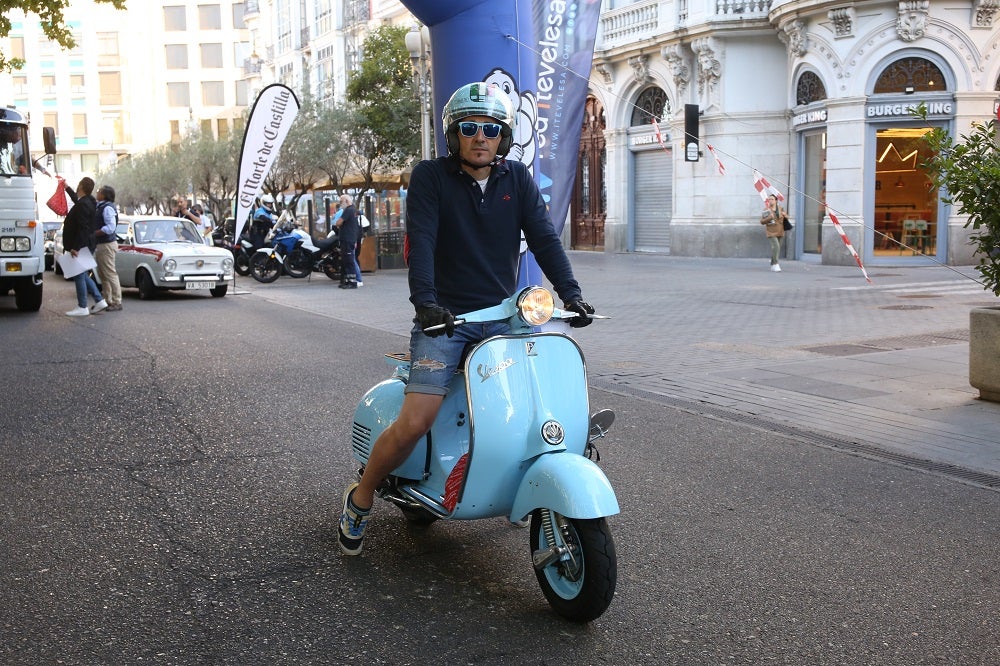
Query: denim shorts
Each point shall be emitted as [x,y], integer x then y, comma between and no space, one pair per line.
[433,361]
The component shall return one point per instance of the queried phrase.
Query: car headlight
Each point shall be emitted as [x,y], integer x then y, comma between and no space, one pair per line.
[15,244]
[535,305]
[227,265]
[170,265]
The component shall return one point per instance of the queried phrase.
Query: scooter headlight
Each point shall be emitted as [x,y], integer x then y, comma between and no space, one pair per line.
[535,306]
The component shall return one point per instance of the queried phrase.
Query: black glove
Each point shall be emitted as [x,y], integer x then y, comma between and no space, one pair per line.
[582,310]
[432,314]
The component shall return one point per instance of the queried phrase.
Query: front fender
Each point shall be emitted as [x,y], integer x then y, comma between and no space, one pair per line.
[567,483]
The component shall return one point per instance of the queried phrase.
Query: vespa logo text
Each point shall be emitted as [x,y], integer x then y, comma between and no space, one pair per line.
[485,372]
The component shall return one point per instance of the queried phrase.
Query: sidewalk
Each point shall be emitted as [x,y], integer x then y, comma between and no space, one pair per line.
[880,369]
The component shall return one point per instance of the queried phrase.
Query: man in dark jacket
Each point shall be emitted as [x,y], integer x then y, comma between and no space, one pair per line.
[348,231]
[465,216]
[78,239]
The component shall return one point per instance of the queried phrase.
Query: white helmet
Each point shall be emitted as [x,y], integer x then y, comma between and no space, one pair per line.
[267,199]
[479,99]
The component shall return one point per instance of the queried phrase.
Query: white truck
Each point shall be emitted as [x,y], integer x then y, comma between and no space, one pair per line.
[22,241]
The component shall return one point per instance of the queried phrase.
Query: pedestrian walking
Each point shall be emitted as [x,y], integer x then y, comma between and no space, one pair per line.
[773,219]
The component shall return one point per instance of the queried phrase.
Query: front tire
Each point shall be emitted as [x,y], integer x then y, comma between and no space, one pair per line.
[220,291]
[144,281]
[580,584]
[28,295]
[297,263]
[241,263]
[264,268]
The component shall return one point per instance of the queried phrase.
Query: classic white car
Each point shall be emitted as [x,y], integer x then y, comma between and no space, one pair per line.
[168,253]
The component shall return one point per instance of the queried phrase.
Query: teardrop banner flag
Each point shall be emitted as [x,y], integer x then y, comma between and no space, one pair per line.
[539,52]
[271,116]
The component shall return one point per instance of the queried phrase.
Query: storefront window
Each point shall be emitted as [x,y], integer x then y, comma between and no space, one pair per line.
[905,199]
[814,191]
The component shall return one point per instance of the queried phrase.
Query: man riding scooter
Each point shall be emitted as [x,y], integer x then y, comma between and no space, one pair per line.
[470,208]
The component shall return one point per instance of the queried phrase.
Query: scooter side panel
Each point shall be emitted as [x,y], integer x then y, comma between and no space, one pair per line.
[516,384]
[376,411]
[568,484]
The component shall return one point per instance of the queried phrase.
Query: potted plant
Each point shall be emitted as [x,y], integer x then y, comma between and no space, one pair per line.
[968,173]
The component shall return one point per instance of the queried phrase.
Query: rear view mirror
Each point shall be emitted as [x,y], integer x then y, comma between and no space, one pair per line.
[49,139]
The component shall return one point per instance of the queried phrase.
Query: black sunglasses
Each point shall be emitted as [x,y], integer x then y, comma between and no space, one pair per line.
[469,128]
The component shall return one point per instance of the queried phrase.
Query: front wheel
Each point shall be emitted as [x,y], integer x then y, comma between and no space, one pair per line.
[575,563]
[241,263]
[264,267]
[297,263]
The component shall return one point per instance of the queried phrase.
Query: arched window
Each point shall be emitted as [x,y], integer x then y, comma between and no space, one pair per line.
[910,75]
[652,103]
[809,89]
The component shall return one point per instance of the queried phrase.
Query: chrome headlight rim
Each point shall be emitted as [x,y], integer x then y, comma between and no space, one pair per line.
[170,265]
[535,306]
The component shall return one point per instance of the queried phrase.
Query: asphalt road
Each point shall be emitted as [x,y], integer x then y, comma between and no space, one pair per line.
[171,478]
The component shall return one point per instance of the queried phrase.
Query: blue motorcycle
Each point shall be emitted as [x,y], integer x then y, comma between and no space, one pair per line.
[513,438]
[267,263]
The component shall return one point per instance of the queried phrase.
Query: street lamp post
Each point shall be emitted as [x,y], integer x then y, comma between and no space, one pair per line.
[418,43]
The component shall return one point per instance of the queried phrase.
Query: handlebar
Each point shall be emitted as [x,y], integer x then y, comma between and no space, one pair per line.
[565,315]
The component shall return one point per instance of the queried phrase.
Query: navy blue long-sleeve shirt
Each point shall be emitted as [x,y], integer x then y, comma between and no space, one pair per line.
[464,244]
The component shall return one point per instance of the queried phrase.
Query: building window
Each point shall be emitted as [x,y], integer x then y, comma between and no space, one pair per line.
[48,83]
[211,56]
[910,75]
[76,83]
[111,88]
[810,89]
[651,104]
[20,83]
[209,17]
[17,47]
[324,16]
[239,11]
[107,49]
[175,131]
[174,18]
[79,127]
[177,56]
[89,162]
[51,119]
[242,96]
[178,94]
[223,128]
[212,93]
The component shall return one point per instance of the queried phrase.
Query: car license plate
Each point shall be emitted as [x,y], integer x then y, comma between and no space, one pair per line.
[199,285]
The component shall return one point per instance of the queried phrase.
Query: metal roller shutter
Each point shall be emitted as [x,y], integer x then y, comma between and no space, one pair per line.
[652,199]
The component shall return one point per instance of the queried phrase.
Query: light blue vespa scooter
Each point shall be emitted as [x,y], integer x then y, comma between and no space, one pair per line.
[513,438]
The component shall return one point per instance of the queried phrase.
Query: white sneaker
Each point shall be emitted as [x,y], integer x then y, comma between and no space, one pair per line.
[99,306]
[775,268]
[360,283]
[78,312]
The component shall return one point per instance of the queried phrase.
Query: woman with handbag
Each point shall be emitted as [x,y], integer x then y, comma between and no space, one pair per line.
[774,219]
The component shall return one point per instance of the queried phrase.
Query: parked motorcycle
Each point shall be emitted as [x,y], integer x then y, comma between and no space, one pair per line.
[243,251]
[267,263]
[315,255]
[512,439]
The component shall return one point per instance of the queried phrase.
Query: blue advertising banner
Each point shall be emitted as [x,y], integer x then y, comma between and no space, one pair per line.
[539,52]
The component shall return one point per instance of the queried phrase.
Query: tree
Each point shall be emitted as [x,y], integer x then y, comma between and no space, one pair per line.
[51,14]
[969,173]
[388,137]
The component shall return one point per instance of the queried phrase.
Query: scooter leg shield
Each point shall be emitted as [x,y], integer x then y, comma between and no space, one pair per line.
[568,484]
